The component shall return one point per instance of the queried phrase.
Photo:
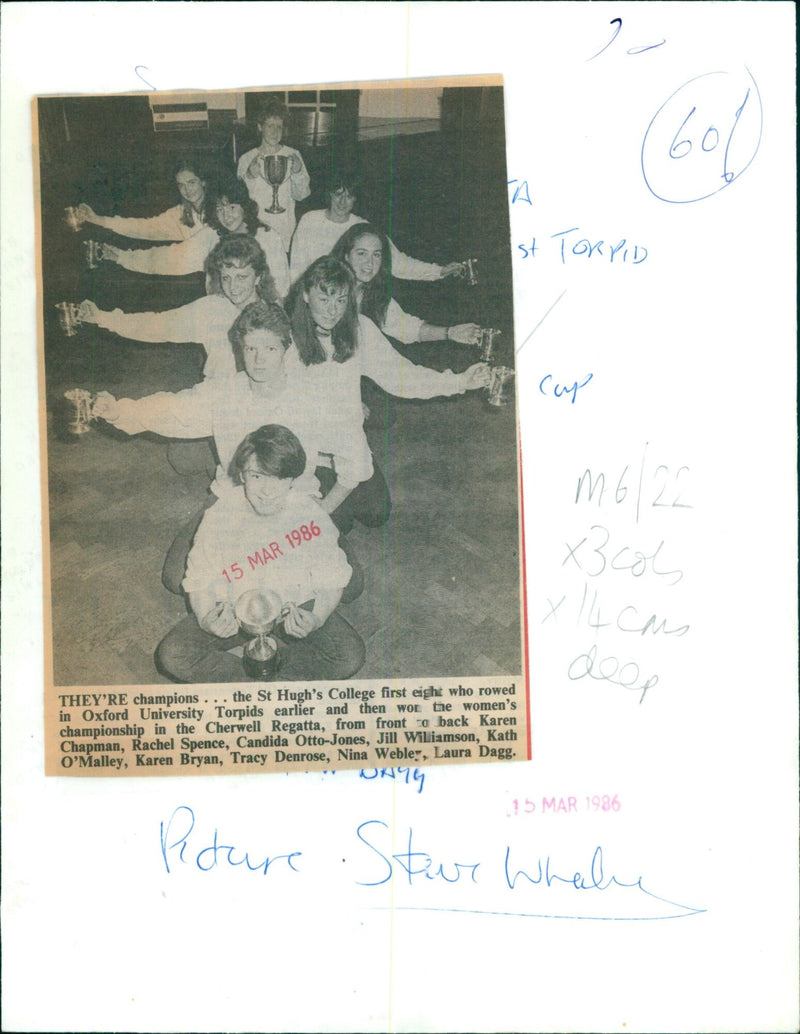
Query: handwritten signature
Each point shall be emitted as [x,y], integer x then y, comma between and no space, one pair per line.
[506,880]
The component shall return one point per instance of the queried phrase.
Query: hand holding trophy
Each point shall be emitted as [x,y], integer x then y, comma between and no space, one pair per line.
[500,385]
[75,217]
[69,317]
[275,168]
[500,377]
[80,410]
[257,612]
[86,406]
[469,271]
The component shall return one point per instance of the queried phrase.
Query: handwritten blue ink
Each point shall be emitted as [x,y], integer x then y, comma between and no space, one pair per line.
[616,33]
[521,193]
[598,891]
[401,773]
[211,855]
[413,863]
[682,159]
[595,879]
[584,246]
[560,390]
[632,51]
[136,70]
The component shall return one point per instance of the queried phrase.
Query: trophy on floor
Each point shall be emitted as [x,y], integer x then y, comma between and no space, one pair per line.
[81,410]
[275,166]
[257,612]
[69,317]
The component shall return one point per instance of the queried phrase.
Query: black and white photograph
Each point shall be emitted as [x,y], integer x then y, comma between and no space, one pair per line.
[279,431]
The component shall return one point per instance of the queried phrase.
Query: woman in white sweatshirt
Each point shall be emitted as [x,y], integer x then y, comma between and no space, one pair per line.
[237,275]
[338,346]
[319,230]
[251,169]
[176,224]
[367,251]
[234,212]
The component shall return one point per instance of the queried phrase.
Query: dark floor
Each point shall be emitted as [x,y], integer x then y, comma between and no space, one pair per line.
[442,582]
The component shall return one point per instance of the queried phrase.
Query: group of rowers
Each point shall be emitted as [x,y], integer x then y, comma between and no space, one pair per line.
[293,317]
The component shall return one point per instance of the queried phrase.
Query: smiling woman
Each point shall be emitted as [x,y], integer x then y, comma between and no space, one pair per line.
[226,409]
[237,275]
[234,212]
[319,230]
[338,347]
[368,253]
[176,224]
[253,170]
[266,388]
[304,567]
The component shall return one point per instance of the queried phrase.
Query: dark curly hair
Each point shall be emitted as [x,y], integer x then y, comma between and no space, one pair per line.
[235,192]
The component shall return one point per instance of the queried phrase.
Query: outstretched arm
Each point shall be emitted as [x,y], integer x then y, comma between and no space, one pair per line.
[401,377]
[180,326]
[181,414]
[407,268]
[175,260]
[164,227]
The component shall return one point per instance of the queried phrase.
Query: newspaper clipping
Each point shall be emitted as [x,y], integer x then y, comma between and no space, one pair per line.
[279,431]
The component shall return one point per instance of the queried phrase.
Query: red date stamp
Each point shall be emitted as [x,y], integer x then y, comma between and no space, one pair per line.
[564,805]
[296,537]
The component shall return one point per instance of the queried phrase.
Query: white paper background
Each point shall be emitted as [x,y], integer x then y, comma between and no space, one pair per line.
[693,353]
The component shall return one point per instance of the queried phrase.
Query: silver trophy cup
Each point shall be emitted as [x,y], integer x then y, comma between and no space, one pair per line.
[275,166]
[94,253]
[469,270]
[486,343]
[68,317]
[81,410]
[73,218]
[500,386]
[257,613]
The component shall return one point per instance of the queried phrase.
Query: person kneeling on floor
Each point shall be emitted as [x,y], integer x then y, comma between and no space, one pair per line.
[266,536]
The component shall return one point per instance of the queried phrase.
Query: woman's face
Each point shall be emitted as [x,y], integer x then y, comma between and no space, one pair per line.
[263,354]
[342,203]
[365,257]
[239,284]
[230,215]
[190,187]
[327,305]
[272,130]
[266,493]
